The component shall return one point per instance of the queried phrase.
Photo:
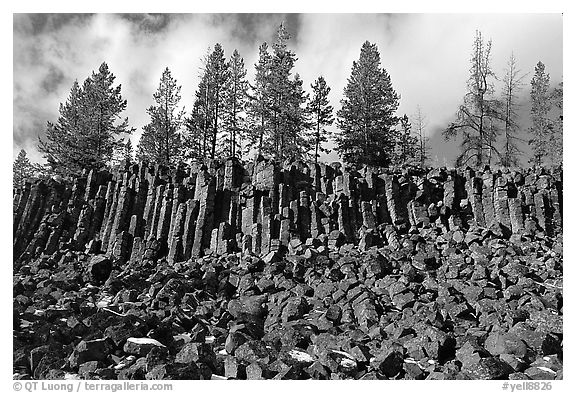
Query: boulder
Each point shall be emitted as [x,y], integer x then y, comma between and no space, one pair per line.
[140,346]
[100,267]
[88,350]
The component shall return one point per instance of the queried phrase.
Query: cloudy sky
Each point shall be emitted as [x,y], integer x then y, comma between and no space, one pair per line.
[426,55]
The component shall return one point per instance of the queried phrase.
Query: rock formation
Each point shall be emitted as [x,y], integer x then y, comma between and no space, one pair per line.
[262,208]
[298,271]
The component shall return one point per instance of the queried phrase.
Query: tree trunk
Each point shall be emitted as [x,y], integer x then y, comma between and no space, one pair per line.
[317,138]
[215,125]
[167,129]
[480,156]
[261,132]
[205,128]
[366,148]
[98,137]
[233,136]
[421,148]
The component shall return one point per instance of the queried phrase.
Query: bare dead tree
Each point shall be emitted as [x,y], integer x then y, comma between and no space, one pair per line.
[420,122]
[475,118]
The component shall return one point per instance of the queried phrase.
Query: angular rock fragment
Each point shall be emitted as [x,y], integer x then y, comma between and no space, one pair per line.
[100,267]
[88,350]
[140,346]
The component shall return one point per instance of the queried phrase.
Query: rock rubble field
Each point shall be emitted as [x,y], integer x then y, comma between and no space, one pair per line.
[298,271]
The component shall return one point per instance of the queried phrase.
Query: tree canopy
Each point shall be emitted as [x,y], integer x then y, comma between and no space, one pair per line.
[367,117]
[22,169]
[276,116]
[87,130]
[161,138]
[321,112]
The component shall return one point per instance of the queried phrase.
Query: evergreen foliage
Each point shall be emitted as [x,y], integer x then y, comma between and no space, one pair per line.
[546,133]
[234,106]
[161,140]
[277,111]
[366,119]
[321,113]
[86,132]
[22,169]
[258,104]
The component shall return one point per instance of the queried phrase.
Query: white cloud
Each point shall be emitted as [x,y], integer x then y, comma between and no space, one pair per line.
[426,55]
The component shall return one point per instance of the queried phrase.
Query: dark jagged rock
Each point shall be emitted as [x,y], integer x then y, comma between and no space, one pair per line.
[141,346]
[89,350]
[100,268]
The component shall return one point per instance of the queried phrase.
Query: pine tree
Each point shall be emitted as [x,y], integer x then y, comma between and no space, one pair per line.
[103,104]
[195,136]
[88,126]
[296,142]
[281,89]
[423,142]
[217,77]
[510,105]
[541,128]
[199,125]
[235,98]
[477,117]
[366,119]
[206,133]
[276,109]
[259,100]
[22,169]
[558,124]
[161,138]
[406,144]
[128,151]
[61,148]
[321,111]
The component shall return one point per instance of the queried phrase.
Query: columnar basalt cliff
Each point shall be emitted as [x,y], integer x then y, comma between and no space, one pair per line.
[261,271]
[260,208]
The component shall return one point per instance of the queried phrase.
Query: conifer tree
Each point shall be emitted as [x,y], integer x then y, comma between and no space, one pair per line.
[542,126]
[234,106]
[217,77]
[161,138]
[194,139]
[199,125]
[296,142]
[22,169]
[557,124]
[366,119]
[62,147]
[88,126]
[206,133]
[259,100]
[281,91]
[103,104]
[321,112]
[128,151]
[276,109]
